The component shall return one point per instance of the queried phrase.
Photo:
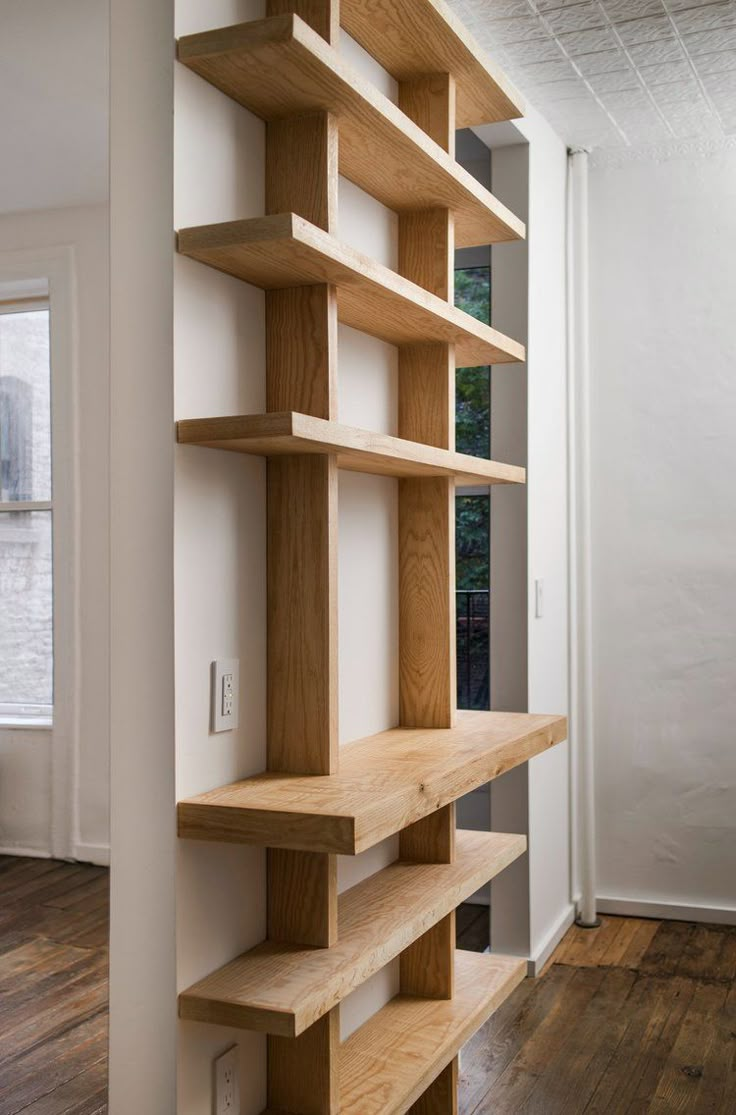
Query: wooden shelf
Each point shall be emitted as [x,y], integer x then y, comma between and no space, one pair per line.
[385,783]
[273,435]
[283,989]
[285,251]
[411,38]
[278,67]
[386,1065]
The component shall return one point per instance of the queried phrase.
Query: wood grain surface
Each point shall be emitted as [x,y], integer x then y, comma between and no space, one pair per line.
[281,67]
[411,38]
[286,434]
[385,783]
[286,251]
[388,1063]
[53,975]
[302,615]
[284,989]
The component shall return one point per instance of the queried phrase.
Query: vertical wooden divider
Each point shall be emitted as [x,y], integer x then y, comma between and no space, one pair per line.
[301,375]
[440,1097]
[322,15]
[427,668]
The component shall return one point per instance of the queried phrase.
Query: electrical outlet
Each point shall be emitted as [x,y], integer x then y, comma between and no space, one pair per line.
[227,1082]
[227,695]
[224,695]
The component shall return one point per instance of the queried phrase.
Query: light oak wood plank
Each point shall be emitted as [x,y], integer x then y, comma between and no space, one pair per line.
[322,15]
[286,251]
[388,1063]
[411,38]
[281,67]
[427,666]
[301,350]
[440,1097]
[431,840]
[303,1071]
[385,783]
[284,989]
[429,101]
[278,435]
[302,897]
[302,614]
[427,250]
[301,168]
[427,967]
[427,394]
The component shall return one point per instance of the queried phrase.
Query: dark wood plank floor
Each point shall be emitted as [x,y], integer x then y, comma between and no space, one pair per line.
[637,1016]
[53,987]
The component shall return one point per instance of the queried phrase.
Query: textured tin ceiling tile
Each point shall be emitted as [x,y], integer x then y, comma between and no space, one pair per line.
[607,73]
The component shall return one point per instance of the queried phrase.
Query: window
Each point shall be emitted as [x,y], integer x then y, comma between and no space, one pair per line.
[472,512]
[26,559]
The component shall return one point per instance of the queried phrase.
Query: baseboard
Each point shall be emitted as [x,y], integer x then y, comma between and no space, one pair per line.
[666,911]
[29,853]
[536,963]
[98,854]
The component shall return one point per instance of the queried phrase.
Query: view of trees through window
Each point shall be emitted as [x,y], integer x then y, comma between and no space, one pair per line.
[473,436]
[26,593]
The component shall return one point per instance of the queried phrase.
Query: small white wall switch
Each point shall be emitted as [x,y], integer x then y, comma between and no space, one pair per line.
[539,599]
[227,1082]
[224,695]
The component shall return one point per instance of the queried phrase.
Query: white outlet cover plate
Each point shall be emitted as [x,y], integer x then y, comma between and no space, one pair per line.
[227,1082]
[219,669]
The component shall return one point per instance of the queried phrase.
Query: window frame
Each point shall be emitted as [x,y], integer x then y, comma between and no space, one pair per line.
[56,267]
[12,715]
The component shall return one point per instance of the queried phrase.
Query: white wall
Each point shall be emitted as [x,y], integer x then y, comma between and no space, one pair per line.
[531,902]
[551,909]
[143,833]
[26,756]
[663,291]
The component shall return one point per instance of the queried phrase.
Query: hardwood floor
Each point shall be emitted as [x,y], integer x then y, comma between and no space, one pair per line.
[53,987]
[637,1016]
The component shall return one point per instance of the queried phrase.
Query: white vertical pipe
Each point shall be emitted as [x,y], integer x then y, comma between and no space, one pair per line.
[581,643]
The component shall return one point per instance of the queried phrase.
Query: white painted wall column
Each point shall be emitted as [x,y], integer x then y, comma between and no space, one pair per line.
[143,834]
[582,724]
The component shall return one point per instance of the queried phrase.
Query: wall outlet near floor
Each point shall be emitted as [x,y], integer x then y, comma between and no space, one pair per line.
[224,695]
[227,1082]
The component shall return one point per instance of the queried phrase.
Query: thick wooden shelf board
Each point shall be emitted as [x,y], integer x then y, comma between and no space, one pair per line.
[283,989]
[411,38]
[385,783]
[284,251]
[387,1064]
[279,67]
[272,435]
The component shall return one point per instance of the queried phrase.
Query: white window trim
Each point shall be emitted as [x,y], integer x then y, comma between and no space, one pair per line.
[57,266]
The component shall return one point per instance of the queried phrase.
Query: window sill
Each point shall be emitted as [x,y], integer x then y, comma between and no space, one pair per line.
[26,723]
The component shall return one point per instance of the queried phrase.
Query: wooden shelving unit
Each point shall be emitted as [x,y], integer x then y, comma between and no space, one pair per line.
[280,67]
[412,38]
[283,989]
[385,782]
[284,251]
[275,435]
[403,1052]
[316,800]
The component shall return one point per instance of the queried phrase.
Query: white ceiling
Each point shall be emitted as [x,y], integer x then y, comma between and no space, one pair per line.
[617,74]
[54,103]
